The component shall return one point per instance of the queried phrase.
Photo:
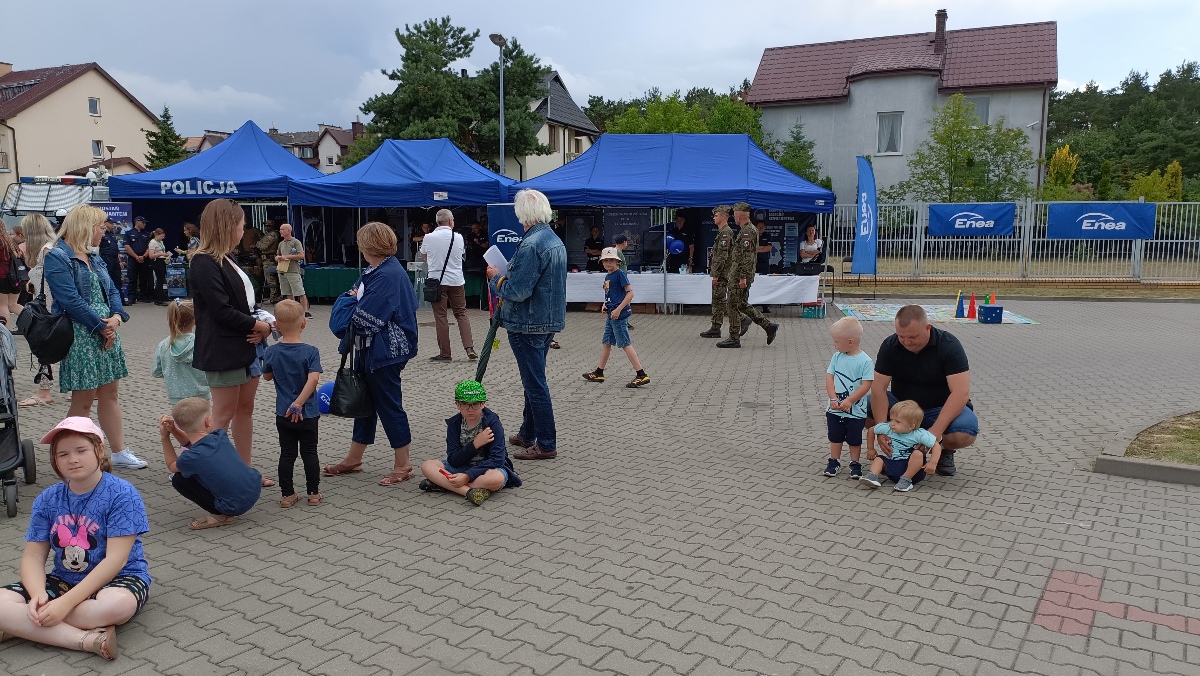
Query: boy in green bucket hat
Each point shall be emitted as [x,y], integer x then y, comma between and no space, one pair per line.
[477,462]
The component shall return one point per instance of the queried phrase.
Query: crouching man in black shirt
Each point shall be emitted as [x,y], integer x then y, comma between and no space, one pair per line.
[929,366]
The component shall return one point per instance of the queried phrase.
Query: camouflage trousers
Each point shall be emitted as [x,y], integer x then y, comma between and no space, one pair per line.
[720,302]
[739,305]
[271,277]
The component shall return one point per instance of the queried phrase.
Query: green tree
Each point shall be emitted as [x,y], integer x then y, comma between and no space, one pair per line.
[963,161]
[1104,186]
[797,156]
[661,116]
[523,78]
[166,145]
[729,116]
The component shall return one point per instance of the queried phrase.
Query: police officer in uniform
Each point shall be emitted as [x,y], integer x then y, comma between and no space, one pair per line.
[743,259]
[719,270]
[110,253]
[137,240]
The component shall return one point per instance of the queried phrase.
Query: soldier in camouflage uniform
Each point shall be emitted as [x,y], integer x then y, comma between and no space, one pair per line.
[743,258]
[719,269]
[267,247]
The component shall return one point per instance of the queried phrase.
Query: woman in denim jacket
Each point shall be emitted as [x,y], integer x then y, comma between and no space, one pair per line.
[533,308]
[380,315]
[79,282]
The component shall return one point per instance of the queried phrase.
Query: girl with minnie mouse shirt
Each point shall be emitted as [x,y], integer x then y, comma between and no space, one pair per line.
[93,522]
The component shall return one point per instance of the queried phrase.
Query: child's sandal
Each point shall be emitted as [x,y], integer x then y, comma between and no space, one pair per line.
[102,642]
[314,499]
[289,500]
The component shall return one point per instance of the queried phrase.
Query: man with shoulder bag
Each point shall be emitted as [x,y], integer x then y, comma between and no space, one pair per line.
[446,285]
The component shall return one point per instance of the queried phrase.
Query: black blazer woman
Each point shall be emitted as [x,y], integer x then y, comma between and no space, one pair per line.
[227,332]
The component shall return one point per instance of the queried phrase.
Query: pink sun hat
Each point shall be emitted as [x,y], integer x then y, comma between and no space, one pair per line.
[74,424]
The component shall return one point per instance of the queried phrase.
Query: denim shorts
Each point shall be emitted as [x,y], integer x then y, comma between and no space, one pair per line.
[894,469]
[843,429]
[966,422]
[56,587]
[463,470]
[616,332]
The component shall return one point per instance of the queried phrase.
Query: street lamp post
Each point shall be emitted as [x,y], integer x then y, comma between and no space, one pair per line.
[111,164]
[499,40]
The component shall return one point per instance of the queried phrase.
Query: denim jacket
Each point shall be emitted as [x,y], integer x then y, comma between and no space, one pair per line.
[60,265]
[535,289]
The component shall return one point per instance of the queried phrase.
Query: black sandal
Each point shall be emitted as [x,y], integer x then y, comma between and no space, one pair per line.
[430,487]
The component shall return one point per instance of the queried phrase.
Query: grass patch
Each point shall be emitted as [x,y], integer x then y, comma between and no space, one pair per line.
[1173,440]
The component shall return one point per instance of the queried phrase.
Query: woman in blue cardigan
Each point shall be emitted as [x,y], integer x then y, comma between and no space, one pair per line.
[380,313]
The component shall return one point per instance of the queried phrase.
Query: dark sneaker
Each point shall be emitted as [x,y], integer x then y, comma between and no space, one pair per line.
[593,377]
[711,333]
[471,355]
[746,322]
[638,381]
[535,452]
[871,479]
[430,487]
[904,485]
[945,466]
[772,329]
[440,358]
[833,467]
[476,496]
[855,470]
[308,315]
[518,441]
[730,342]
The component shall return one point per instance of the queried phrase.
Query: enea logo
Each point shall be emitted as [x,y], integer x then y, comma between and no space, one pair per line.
[507,236]
[970,219]
[198,187]
[864,216]
[1099,221]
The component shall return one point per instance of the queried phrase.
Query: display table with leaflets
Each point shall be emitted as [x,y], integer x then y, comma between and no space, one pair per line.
[588,287]
[331,282]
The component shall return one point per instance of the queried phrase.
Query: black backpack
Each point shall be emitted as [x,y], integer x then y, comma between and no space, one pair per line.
[50,336]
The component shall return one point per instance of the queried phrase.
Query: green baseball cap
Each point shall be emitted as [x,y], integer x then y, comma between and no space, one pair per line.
[469,391]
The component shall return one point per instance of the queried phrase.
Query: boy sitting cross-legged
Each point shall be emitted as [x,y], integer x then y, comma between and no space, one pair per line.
[476,463]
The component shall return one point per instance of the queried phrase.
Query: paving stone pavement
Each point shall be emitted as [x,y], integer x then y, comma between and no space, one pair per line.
[685,527]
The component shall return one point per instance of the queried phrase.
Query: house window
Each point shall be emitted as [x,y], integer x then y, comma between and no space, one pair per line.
[98,149]
[578,144]
[553,138]
[982,104]
[306,152]
[890,141]
[329,160]
[94,106]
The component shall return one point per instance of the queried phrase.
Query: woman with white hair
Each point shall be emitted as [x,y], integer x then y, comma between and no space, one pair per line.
[533,307]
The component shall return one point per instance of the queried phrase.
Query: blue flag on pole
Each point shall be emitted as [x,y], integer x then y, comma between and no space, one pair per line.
[866,234]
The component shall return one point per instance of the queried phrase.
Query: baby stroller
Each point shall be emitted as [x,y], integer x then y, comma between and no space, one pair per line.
[14,451]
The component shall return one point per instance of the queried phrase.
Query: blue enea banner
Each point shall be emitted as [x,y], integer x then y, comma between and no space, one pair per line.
[989,219]
[866,232]
[1100,220]
[505,232]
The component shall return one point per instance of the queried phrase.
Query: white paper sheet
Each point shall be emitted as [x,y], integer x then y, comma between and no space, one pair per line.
[496,259]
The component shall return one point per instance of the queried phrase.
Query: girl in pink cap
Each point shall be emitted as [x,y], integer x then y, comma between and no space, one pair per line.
[92,521]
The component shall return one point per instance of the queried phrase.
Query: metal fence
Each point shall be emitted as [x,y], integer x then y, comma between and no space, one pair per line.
[905,249]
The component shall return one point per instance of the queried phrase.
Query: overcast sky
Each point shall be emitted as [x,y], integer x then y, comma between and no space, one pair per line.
[298,63]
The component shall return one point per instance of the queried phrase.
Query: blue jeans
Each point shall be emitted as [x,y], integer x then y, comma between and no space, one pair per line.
[537,424]
[385,389]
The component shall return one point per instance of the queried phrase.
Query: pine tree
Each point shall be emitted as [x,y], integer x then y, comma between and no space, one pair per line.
[166,145]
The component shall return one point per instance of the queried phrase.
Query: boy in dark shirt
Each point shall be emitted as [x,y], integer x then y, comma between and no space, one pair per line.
[207,470]
[477,462]
[295,369]
[618,294]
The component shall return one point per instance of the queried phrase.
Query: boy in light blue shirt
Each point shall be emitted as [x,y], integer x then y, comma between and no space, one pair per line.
[847,381]
[915,451]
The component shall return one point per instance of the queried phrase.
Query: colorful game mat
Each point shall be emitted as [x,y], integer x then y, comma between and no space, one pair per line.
[886,312]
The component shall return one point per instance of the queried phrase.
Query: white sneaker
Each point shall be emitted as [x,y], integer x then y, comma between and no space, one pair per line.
[128,460]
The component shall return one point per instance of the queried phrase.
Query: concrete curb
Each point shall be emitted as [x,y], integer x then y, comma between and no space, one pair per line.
[1112,458]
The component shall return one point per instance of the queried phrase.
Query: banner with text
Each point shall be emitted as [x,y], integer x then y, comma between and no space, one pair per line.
[1100,220]
[866,232]
[505,232]
[989,219]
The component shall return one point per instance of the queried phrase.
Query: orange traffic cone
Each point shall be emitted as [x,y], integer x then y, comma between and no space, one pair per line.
[971,308]
[993,298]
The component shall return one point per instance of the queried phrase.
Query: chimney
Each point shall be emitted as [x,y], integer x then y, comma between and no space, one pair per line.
[5,68]
[464,72]
[356,129]
[939,34]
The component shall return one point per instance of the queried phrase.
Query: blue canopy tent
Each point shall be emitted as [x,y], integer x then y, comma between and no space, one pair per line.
[248,164]
[406,174]
[678,170]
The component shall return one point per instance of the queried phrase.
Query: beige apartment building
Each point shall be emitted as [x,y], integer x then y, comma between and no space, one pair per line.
[55,120]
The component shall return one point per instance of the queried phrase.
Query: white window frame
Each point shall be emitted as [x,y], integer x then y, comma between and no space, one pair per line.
[306,152]
[97,100]
[983,119]
[98,149]
[879,127]
[329,160]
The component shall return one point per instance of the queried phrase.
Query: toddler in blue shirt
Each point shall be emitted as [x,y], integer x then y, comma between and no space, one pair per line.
[618,294]
[915,451]
[295,369]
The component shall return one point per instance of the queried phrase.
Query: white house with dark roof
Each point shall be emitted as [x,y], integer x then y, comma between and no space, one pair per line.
[565,128]
[875,96]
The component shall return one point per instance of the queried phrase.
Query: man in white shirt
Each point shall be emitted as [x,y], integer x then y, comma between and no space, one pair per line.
[443,251]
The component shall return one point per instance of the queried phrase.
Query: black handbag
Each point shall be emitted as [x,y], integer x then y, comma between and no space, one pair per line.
[351,398]
[433,287]
[50,336]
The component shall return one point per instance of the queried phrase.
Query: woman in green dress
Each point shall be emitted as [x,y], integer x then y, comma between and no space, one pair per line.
[81,287]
